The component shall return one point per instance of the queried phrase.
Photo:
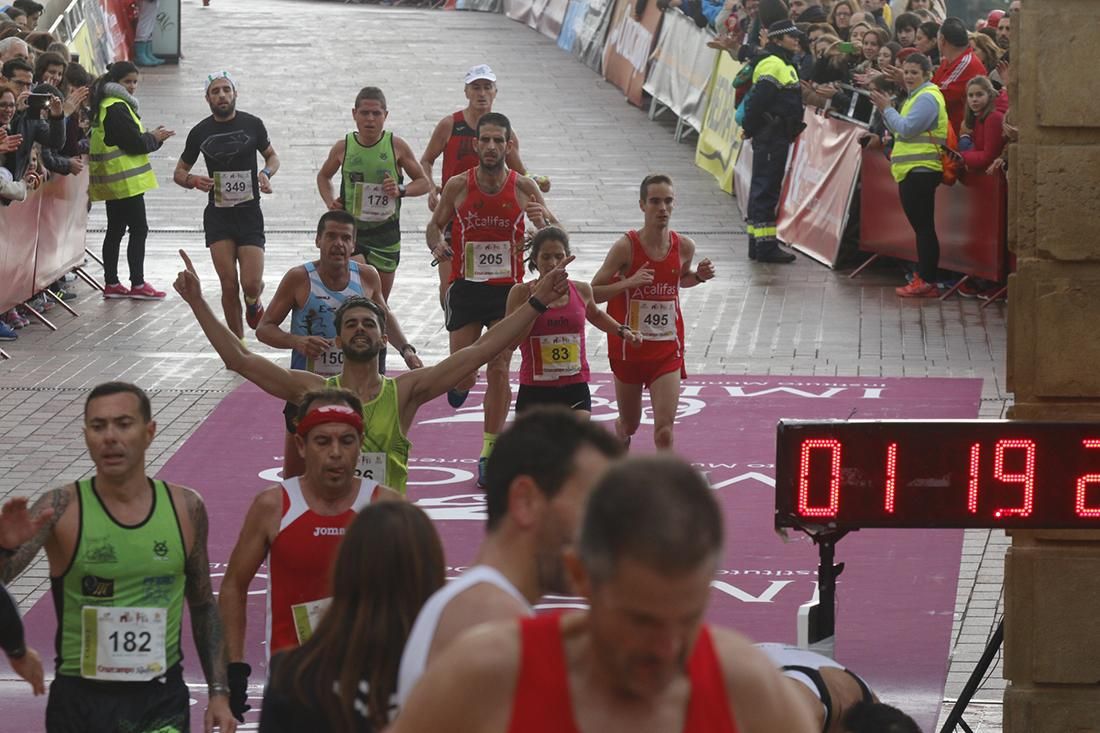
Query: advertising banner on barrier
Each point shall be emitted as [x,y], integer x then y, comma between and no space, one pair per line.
[817,192]
[720,137]
[681,68]
[62,227]
[592,32]
[971,220]
[18,239]
[574,16]
[742,177]
[629,43]
[544,16]
[120,27]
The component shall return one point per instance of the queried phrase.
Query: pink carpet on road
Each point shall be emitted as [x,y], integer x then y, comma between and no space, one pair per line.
[896,596]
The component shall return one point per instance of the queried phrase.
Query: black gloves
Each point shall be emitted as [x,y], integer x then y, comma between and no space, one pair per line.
[238,689]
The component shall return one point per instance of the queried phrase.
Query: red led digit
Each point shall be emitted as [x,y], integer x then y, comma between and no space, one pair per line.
[1083,487]
[891,475]
[804,508]
[972,486]
[1026,478]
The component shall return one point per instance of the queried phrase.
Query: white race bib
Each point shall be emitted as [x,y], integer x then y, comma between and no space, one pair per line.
[371,466]
[488,261]
[232,188]
[307,616]
[330,362]
[374,203]
[123,643]
[654,319]
[559,356]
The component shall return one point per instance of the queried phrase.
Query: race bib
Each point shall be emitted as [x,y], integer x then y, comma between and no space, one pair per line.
[307,616]
[559,356]
[330,362]
[371,466]
[488,261]
[123,643]
[374,203]
[654,319]
[232,188]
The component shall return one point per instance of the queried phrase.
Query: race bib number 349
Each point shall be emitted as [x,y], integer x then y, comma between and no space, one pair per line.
[123,643]
[232,188]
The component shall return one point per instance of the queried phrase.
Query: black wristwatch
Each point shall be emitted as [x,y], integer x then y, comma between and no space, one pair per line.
[405,348]
[401,189]
[537,304]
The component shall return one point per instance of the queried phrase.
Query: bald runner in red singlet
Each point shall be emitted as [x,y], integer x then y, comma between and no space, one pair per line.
[641,278]
[487,206]
[640,660]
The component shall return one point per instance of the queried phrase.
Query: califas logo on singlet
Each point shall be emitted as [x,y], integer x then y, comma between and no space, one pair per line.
[328,531]
[473,221]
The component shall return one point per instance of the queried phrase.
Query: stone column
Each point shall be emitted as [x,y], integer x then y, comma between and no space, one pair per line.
[1052,579]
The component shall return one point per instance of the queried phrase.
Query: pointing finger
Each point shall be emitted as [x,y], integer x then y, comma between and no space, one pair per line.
[187,263]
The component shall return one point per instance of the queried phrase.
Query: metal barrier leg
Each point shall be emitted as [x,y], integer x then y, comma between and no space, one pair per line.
[93,255]
[862,267]
[39,317]
[4,354]
[83,275]
[996,296]
[951,290]
[61,302]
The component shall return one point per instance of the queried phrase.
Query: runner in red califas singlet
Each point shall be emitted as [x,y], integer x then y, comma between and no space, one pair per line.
[641,278]
[640,660]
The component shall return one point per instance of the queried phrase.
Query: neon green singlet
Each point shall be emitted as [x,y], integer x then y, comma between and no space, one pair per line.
[384,444]
[120,601]
[362,172]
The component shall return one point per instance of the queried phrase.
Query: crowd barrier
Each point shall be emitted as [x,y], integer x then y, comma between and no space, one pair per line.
[42,238]
[679,72]
[720,136]
[544,16]
[971,220]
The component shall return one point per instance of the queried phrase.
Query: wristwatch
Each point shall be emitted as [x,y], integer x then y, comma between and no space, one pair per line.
[401,188]
[267,172]
[405,348]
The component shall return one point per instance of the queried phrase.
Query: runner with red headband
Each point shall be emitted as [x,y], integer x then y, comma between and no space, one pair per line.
[297,526]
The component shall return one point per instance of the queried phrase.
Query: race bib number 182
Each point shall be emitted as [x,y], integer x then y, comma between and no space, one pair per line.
[122,643]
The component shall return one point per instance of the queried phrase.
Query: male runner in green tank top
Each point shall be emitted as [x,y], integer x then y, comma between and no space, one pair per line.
[371,162]
[124,552]
[389,404]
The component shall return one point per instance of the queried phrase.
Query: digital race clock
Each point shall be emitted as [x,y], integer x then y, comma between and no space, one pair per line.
[841,475]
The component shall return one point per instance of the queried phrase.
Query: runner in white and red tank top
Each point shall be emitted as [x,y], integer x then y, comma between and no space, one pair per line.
[454,138]
[641,277]
[554,366]
[297,526]
[488,205]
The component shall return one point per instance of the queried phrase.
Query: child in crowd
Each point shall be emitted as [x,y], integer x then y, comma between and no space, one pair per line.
[981,137]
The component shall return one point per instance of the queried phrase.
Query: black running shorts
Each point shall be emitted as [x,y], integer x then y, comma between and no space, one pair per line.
[470,302]
[77,705]
[241,224]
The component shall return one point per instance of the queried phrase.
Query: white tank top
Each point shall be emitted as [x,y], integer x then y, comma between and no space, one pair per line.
[415,656]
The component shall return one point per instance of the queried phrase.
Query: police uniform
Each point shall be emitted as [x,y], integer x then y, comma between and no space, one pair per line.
[773,119]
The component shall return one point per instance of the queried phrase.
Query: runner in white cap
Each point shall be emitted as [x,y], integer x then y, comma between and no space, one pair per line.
[229,140]
[454,138]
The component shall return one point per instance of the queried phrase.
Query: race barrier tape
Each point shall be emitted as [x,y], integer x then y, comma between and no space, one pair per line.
[42,238]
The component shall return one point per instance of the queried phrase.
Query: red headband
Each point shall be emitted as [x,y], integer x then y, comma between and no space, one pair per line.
[327,414]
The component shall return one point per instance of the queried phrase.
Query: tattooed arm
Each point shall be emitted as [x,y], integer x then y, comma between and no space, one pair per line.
[206,623]
[16,524]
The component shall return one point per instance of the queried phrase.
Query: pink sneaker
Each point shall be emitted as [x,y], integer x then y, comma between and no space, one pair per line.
[118,290]
[917,289]
[145,291]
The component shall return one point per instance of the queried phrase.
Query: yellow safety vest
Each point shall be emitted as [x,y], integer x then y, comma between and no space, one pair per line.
[114,173]
[782,73]
[922,150]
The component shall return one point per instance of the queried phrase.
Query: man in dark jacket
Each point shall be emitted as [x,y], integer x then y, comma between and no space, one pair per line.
[773,119]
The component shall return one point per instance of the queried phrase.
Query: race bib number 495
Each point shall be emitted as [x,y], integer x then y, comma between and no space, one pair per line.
[654,319]
[122,643]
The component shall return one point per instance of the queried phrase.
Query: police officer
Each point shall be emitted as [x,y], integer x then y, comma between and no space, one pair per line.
[773,119]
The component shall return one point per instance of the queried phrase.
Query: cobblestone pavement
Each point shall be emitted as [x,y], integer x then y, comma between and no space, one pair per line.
[299,65]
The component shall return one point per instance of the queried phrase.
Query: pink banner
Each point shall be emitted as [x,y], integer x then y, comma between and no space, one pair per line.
[18,239]
[62,225]
[42,238]
[818,189]
[971,220]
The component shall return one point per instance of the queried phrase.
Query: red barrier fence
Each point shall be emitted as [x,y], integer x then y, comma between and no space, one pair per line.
[42,238]
[971,220]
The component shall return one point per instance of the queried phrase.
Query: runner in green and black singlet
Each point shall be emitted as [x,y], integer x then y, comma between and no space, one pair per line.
[372,162]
